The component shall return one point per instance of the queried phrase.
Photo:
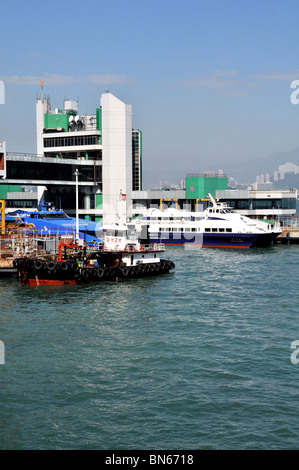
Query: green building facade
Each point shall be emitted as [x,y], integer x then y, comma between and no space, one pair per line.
[199,186]
[56,121]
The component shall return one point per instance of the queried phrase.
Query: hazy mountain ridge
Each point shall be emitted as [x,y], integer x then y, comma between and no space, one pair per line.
[246,171]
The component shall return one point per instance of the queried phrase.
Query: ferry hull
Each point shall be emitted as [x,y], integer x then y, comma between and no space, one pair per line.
[210,240]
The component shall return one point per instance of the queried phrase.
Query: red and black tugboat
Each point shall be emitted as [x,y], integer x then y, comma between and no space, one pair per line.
[119,257]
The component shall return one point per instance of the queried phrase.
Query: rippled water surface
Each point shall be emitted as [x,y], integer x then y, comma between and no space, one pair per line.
[196,359]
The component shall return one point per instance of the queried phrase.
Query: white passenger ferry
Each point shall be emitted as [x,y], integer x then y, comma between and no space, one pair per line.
[217,226]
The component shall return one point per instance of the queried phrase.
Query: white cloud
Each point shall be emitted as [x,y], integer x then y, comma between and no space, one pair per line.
[288,76]
[227,82]
[18,80]
[106,79]
[222,81]
[210,82]
[56,79]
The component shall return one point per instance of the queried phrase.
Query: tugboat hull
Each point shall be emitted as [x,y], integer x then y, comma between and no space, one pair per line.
[35,273]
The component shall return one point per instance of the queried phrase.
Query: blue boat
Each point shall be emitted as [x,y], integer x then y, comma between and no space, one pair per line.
[49,220]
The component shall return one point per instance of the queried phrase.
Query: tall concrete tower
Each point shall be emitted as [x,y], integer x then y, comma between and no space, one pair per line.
[42,107]
[116,159]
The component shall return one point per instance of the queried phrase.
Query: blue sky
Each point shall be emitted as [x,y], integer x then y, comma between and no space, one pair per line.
[209,80]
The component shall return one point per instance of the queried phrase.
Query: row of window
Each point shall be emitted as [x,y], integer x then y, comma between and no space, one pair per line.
[69,141]
[48,171]
[90,155]
[252,204]
[193,229]
[182,219]
[136,143]
[218,230]
[23,203]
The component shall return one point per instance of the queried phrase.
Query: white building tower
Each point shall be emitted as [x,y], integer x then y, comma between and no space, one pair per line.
[42,108]
[116,159]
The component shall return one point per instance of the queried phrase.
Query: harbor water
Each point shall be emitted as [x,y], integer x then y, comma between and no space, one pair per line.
[201,358]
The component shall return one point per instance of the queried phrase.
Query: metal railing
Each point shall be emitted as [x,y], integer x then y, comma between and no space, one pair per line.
[289,222]
[23,154]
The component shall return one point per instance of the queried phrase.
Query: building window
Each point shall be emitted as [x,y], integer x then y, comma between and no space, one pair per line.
[23,203]
[68,141]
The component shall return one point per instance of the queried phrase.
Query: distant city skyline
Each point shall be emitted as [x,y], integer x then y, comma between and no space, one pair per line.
[211,84]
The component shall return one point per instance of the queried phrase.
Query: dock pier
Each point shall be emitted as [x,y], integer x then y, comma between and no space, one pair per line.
[289,235]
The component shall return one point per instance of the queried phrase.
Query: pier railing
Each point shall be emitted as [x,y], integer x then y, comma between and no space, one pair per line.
[291,222]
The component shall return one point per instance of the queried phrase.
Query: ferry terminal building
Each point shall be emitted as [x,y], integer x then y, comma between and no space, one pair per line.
[107,151]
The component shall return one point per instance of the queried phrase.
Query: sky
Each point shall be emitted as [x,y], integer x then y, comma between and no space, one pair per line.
[209,81]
